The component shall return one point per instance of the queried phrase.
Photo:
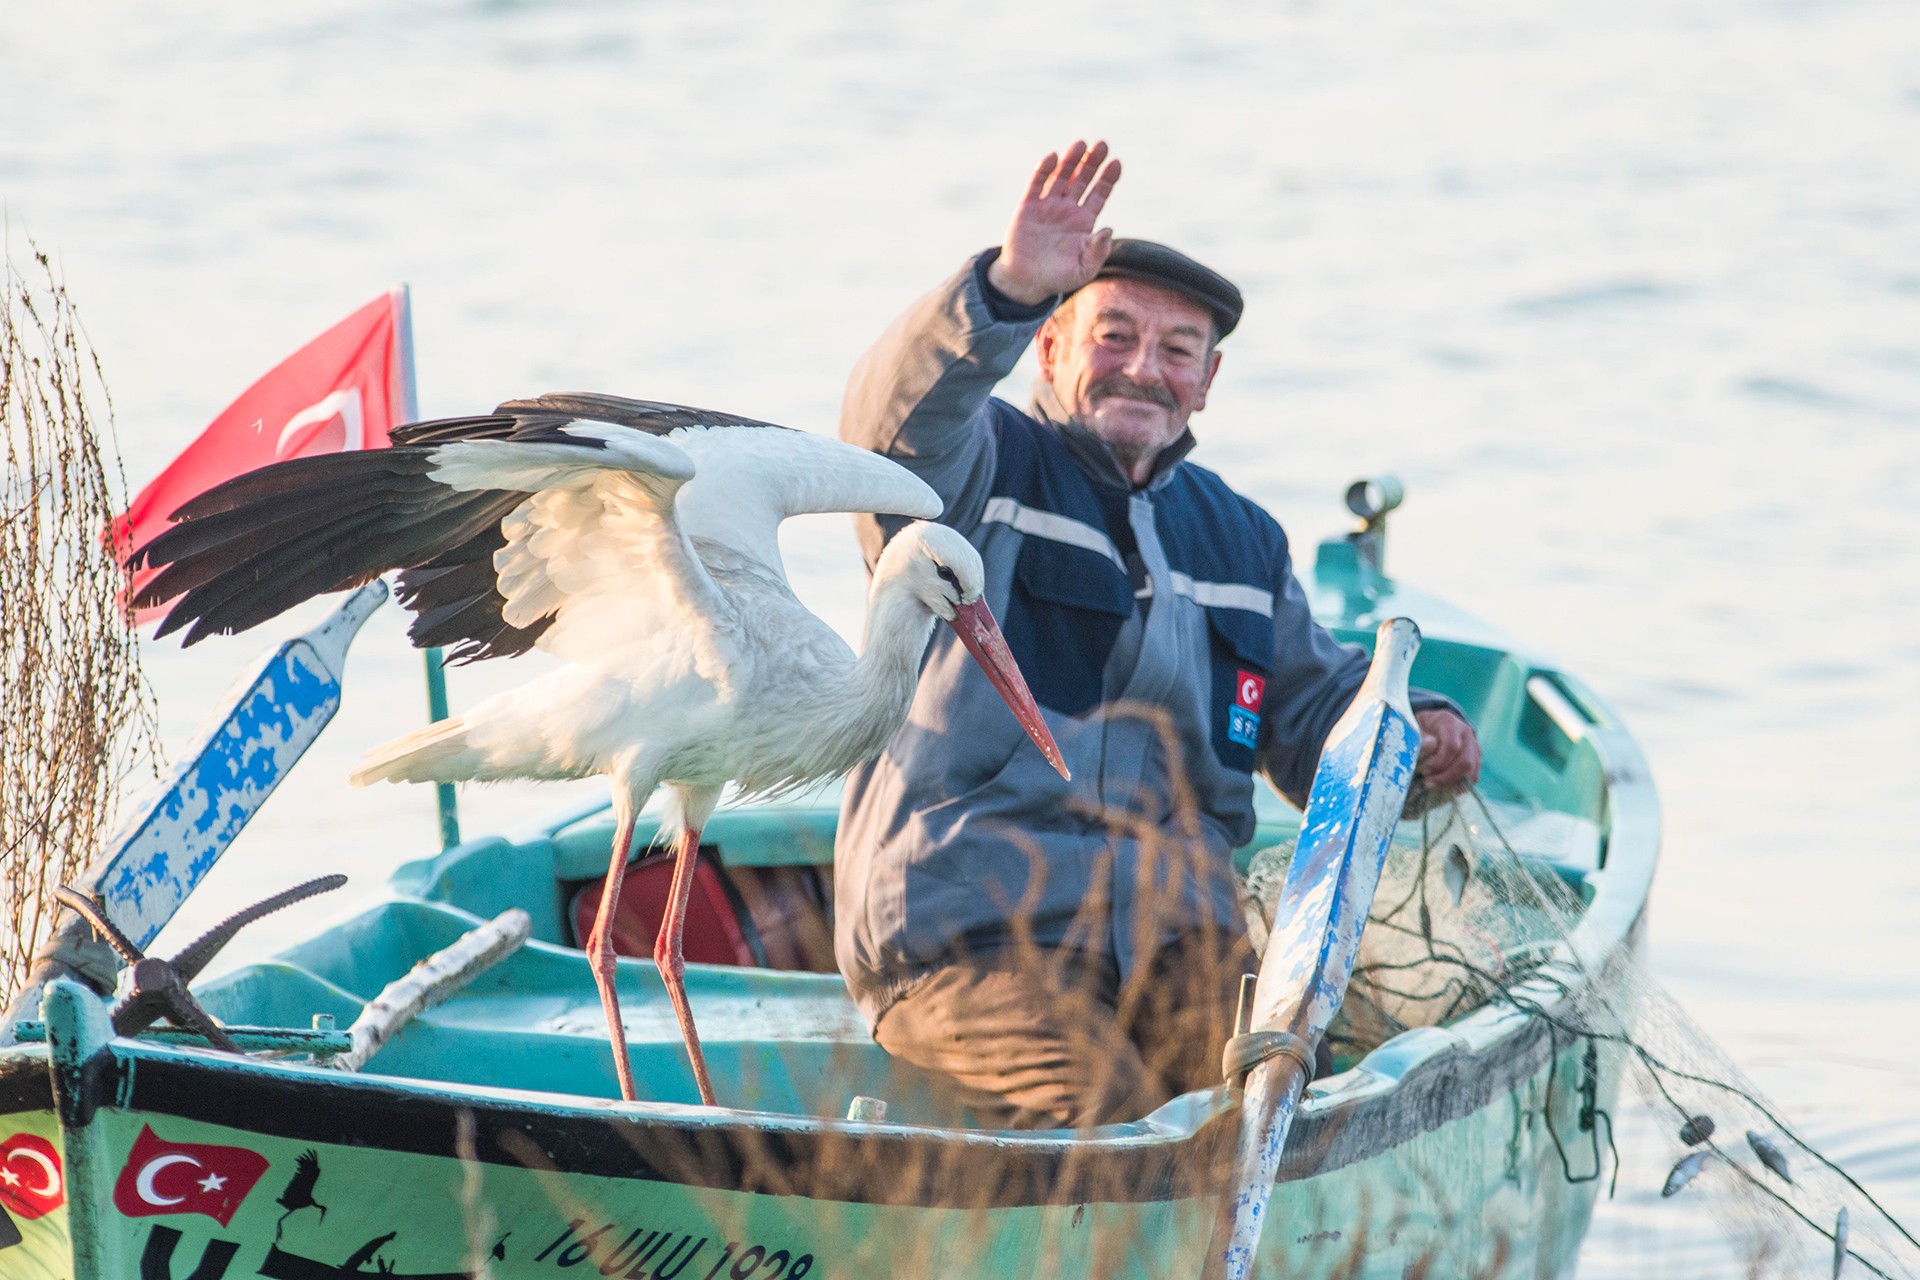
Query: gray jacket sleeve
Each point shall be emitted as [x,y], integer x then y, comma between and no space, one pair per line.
[919,396]
[1314,678]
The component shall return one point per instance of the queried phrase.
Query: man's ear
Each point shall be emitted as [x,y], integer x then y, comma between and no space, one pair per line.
[1213,368]
[1046,345]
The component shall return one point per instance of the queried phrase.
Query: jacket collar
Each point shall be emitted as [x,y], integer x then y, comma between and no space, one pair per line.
[1093,454]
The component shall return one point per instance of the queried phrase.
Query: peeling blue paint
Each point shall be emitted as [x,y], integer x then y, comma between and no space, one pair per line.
[275,714]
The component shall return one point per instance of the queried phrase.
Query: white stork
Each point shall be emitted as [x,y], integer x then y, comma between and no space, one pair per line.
[637,542]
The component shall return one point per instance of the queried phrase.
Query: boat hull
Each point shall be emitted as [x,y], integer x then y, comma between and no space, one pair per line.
[1454,1171]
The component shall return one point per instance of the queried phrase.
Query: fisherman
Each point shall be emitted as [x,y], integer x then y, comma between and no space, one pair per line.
[1068,953]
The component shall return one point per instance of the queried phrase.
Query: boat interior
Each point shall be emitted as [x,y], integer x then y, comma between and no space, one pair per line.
[778,1028]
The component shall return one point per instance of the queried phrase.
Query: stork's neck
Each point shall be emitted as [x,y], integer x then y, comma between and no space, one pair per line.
[898,624]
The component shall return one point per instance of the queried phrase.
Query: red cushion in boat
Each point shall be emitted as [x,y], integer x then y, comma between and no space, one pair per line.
[713,935]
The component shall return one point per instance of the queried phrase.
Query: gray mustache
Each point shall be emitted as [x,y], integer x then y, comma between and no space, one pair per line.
[1119,384]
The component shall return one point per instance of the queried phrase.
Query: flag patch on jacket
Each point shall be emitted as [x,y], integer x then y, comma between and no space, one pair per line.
[1243,717]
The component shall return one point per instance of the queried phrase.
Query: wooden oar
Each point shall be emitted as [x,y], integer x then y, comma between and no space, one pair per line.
[273,715]
[1358,792]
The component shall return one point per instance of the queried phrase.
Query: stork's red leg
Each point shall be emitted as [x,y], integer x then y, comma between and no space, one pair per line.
[668,954]
[601,957]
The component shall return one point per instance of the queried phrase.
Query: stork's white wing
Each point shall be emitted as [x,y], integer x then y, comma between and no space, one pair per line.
[598,543]
[511,527]
[749,479]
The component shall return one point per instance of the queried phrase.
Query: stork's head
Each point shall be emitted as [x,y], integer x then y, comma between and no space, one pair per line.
[944,572]
[938,566]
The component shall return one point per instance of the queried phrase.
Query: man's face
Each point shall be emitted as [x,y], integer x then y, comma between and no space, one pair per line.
[1131,363]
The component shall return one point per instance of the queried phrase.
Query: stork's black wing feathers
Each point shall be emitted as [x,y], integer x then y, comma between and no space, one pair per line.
[241,591]
[437,585]
[457,607]
[340,555]
[195,551]
[280,481]
[536,427]
[268,540]
[652,416]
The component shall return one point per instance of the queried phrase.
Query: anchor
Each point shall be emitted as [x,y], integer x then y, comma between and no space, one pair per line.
[159,987]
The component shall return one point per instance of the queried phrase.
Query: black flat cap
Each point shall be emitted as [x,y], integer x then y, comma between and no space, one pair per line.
[1171,269]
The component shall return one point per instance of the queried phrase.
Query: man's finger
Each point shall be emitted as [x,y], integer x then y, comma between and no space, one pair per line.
[1084,171]
[1040,175]
[1102,188]
[1464,773]
[1438,754]
[1449,751]
[1440,764]
[1063,173]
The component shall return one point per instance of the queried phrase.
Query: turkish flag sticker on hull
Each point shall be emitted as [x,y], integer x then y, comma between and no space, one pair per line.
[31,1185]
[185,1177]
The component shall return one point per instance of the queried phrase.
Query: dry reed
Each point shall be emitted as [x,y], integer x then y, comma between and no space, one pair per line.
[76,715]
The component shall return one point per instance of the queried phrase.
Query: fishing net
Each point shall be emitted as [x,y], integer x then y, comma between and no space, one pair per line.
[1479,902]
[76,716]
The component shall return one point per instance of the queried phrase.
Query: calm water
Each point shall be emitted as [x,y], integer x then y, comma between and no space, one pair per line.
[1629,294]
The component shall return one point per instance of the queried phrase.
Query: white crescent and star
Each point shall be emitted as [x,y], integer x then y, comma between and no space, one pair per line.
[1249,692]
[143,1185]
[47,1166]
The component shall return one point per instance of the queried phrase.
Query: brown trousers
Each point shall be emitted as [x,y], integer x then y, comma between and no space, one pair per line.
[1041,1038]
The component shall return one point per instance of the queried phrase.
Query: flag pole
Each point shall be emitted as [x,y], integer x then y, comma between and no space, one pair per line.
[407,408]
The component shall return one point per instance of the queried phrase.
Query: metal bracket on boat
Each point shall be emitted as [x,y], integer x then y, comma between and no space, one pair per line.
[160,986]
[273,1042]
[1356,564]
[1249,1049]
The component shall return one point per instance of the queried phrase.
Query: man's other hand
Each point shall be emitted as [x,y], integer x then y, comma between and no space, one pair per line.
[1051,247]
[1449,752]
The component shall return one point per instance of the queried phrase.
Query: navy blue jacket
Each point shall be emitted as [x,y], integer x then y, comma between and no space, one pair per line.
[1161,629]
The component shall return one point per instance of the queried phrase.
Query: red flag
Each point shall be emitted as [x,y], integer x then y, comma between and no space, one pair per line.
[344,390]
[31,1184]
[185,1177]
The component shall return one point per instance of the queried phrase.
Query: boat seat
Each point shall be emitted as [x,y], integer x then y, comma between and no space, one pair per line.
[764,917]
[718,927]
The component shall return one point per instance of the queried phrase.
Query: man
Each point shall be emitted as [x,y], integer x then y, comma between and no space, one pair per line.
[1067,952]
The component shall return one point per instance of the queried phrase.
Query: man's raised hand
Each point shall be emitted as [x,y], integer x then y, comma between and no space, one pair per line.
[1051,246]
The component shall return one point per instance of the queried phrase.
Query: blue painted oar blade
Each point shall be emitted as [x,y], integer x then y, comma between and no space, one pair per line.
[274,714]
[1359,791]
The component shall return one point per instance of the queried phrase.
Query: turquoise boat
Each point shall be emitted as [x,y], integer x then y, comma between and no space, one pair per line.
[486,1139]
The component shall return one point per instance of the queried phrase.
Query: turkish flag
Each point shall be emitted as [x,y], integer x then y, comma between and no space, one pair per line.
[344,390]
[185,1177]
[1249,690]
[31,1183]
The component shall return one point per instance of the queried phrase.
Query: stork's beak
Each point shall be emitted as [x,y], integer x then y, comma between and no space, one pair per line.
[981,634]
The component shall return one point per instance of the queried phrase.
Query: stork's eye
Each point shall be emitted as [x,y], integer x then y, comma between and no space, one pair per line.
[946,576]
